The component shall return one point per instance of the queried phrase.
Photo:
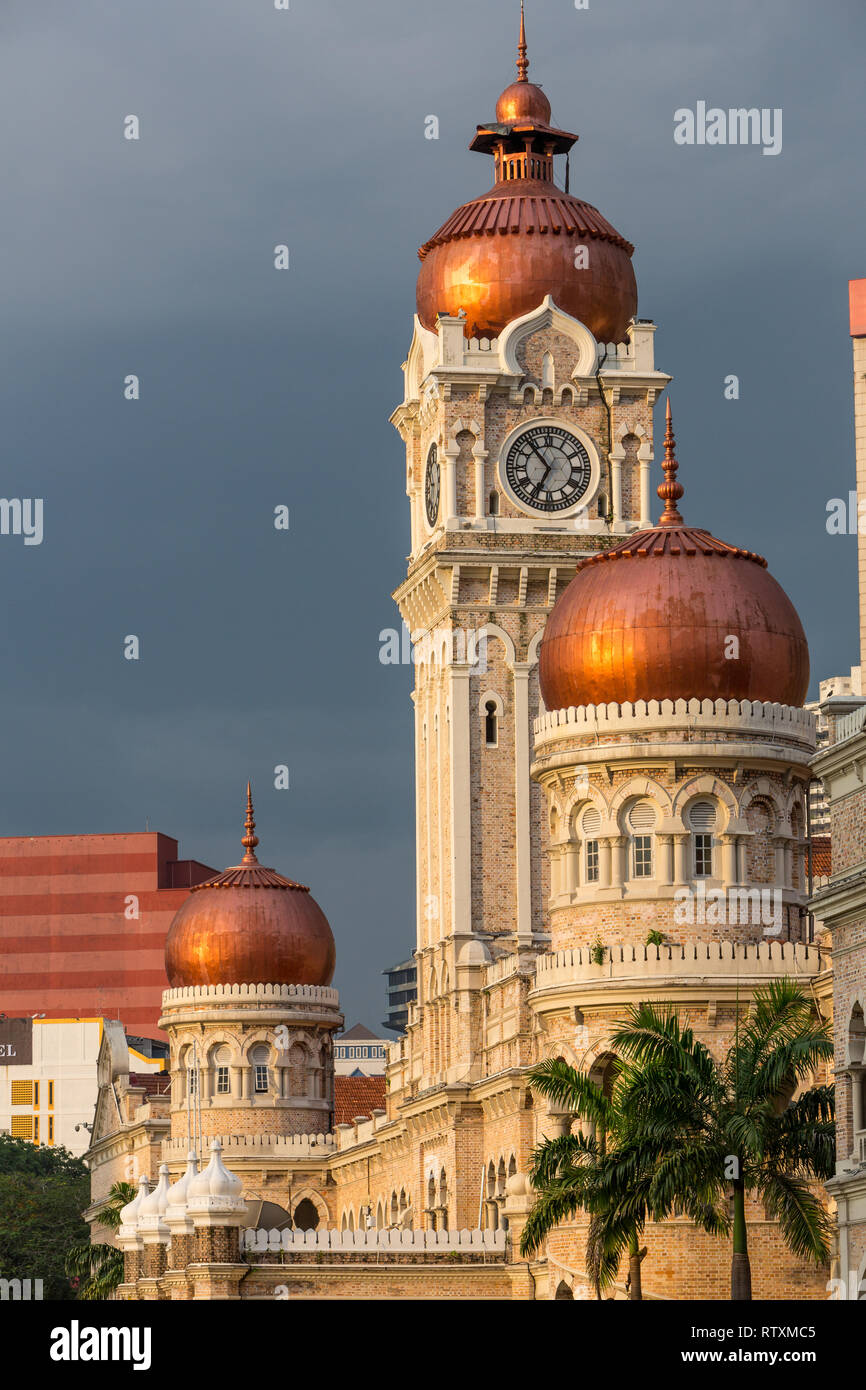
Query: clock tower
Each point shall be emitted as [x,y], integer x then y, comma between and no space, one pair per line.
[528,423]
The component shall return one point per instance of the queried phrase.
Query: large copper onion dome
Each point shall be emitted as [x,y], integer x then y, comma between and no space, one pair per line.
[499,255]
[249,926]
[653,618]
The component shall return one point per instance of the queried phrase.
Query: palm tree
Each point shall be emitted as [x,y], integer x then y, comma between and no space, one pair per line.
[563,1172]
[101,1266]
[703,1126]
[571,1173]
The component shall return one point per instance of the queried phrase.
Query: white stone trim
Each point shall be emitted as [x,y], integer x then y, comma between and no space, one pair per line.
[289,994]
[716,959]
[547,315]
[727,715]
[438,1242]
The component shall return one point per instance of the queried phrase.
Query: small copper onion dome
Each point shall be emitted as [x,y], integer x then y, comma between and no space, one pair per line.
[248,926]
[673,613]
[497,256]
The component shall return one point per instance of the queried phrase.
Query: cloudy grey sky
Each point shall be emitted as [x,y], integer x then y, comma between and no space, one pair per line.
[258,388]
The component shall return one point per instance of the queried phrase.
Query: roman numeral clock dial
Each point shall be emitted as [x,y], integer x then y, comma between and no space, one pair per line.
[547,469]
[431,486]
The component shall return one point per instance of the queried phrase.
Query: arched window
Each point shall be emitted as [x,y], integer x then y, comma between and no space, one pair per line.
[563,1293]
[590,824]
[259,1063]
[641,820]
[493,504]
[491,724]
[305,1217]
[220,1062]
[702,821]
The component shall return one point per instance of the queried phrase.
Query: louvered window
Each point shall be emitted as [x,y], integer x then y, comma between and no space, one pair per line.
[642,817]
[702,817]
[22,1126]
[22,1093]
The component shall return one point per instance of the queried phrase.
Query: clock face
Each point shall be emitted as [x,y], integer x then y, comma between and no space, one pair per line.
[547,468]
[431,486]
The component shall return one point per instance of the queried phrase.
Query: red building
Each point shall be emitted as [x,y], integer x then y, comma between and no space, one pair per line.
[83,922]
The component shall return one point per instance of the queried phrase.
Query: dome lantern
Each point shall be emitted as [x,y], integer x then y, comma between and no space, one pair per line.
[499,255]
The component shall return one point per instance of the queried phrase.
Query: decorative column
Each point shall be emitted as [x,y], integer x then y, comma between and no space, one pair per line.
[450,455]
[604,863]
[729,859]
[572,866]
[681,873]
[217,1209]
[780,843]
[616,843]
[460,799]
[856,1075]
[479,456]
[154,1234]
[665,856]
[523,843]
[616,484]
[644,458]
[519,1201]
[129,1239]
[181,1230]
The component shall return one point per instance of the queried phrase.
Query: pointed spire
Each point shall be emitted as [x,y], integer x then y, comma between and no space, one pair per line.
[670,491]
[251,839]
[522,60]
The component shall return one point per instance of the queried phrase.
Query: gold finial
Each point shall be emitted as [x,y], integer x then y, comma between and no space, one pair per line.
[670,491]
[251,839]
[522,60]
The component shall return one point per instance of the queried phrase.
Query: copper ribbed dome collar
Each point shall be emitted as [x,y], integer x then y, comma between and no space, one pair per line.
[671,536]
[506,211]
[249,873]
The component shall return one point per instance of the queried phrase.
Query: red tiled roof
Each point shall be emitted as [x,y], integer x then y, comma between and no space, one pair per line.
[822,862]
[154,1083]
[357,1095]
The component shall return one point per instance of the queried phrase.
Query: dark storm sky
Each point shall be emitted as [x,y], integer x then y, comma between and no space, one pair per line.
[259,388]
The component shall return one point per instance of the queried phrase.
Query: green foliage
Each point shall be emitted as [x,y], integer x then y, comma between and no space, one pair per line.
[655,938]
[38,1160]
[40,1218]
[569,1173]
[597,953]
[674,1120]
[99,1268]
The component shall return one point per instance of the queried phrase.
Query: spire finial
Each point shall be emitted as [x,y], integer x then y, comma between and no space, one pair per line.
[251,839]
[522,60]
[670,491]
